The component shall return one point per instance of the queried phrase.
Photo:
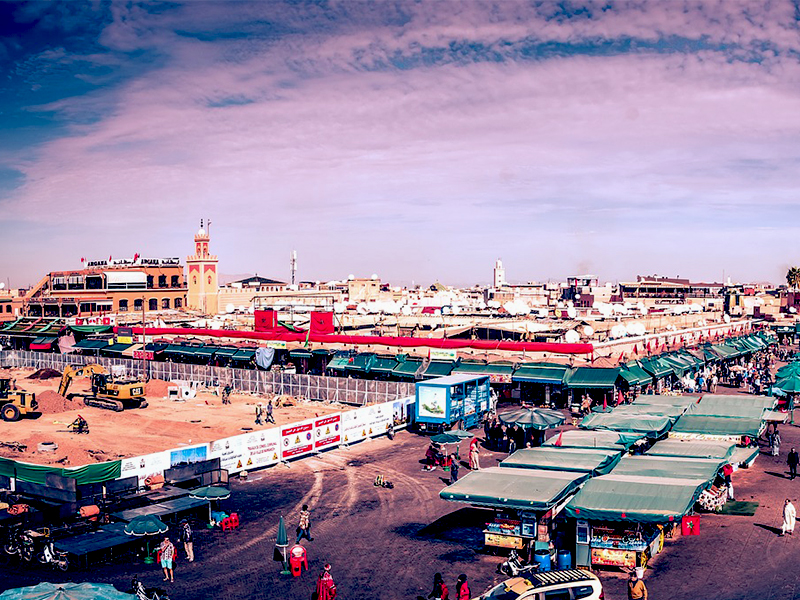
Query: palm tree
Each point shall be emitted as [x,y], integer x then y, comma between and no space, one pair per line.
[793,277]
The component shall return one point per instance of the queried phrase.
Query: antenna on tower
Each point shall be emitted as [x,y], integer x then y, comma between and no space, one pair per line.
[201,223]
[208,227]
[293,264]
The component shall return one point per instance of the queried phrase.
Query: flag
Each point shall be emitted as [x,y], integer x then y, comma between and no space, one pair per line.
[109,258]
[605,402]
[636,350]
[83,259]
[558,440]
[136,257]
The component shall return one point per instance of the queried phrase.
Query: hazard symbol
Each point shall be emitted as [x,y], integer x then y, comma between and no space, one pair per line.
[297,440]
[327,431]
[345,438]
[275,456]
[239,465]
[363,432]
[249,461]
[370,429]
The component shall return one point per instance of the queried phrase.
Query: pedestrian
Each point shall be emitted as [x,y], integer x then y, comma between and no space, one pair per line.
[304,525]
[474,455]
[259,413]
[511,434]
[636,588]
[453,468]
[326,588]
[792,461]
[186,537]
[462,588]
[167,554]
[776,443]
[727,471]
[440,591]
[270,418]
[789,517]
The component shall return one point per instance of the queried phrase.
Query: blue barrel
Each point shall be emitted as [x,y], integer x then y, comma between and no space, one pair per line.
[564,559]
[542,558]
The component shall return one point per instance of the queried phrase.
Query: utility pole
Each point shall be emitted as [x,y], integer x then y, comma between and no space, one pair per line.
[144,343]
[293,264]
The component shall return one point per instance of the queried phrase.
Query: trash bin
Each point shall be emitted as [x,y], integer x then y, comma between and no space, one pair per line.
[564,559]
[639,572]
[542,558]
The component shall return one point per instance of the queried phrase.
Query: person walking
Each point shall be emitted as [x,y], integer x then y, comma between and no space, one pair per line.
[462,588]
[259,414]
[167,555]
[474,455]
[186,537]
[226,393]
[789,518]
[454,466]
[636,588]
[270,418]
[440,591]
[792,461]
[304,525]
[326,587]
[776,443]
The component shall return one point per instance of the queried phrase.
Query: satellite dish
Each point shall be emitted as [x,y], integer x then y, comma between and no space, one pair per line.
[242,308]
[351,277]
[374,276]
[2,285]
[727,318]
[588,330]
[572,337]
[339,307]
[572,313]
[405,310]
[792,310]
[229,308]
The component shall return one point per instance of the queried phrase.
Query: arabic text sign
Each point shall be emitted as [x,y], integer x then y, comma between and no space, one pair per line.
[297,439]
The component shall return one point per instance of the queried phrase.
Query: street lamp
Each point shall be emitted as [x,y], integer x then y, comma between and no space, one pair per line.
[144,343]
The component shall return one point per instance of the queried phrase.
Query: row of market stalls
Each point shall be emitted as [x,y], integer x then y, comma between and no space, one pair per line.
[609,493]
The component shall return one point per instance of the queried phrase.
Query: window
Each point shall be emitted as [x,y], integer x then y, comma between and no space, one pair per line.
[123,305]
[165,303]
[162,281]
[176,281]
[557,595]
[178,303]
[583,591]
[8,308]
[152,304]
[149,282]
[194,280]
[137,304]
[209,280]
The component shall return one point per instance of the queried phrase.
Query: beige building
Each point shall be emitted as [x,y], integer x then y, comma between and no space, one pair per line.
[202,274]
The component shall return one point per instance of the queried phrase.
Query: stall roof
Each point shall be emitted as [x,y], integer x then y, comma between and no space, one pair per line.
[89,344]
[497,487]
[592,377]
[722,426]
[656,367]
[115,348]
[383,364]
[480,368]
[670,400]
[223,351]
[339,362]
[361,362]
[541,373]
[244,354]
[300,353]
[408,368]
[634,498]
[679,467]
[724,409]
[652,426]
[635,375]
[739,400]
[595,438]
[584,460]
[438,368]
[693,448]
[653,410]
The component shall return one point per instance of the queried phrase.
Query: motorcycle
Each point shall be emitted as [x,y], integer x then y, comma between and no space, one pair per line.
[51,556]
[19,542]
[147,593]
[513,566]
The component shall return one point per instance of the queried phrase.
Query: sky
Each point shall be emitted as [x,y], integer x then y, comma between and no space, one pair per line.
[417,140]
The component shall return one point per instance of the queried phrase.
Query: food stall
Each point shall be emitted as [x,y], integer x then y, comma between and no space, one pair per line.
[596,461]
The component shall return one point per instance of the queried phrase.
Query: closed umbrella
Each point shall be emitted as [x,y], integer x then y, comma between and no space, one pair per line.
[146,526]
[281,544]
[210,493]
[533,418]
[66,591]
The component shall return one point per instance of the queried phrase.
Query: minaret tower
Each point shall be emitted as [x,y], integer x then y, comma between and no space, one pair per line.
[202,275]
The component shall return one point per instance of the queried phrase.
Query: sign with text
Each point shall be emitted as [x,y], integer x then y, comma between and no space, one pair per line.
[275,344]
[297,439]
[230,452]
[79,321]
[327,431]
[141,354]
[144,466]
[442,354]
[262,448]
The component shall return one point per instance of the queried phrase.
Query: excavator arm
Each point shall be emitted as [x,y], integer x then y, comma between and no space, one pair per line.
[71,372]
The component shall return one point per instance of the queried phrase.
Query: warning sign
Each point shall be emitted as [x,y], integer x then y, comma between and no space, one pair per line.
[298,439]
[328,431]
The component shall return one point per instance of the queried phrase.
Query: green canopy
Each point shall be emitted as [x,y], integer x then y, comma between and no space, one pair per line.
[438,368]
[298,353]
[635,375]
[634,499]
[339,362]
[114,349]
[361,362]
[533,418]
[584,460]
[653,410]
[407,369]
[145,525]
[592,378]
[383,364]
[669,466]
[525,489]
[652,426]
[282,540]
[712,408]
[210,492]
[91,328]
[789,384]
[446,438]
[482,368]
[595,438]
[666,400]
[95,473]
[656,367]
[551,373]
[738,400]
[719,426]
[693,448]
[67,591]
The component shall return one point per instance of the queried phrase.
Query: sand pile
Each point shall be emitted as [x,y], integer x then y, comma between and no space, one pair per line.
[157,388]
[44,374]
[52,402]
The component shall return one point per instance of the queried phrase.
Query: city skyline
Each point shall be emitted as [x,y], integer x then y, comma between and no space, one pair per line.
[418,141]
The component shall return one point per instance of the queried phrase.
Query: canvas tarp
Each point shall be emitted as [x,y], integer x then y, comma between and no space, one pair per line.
[584,460]
[654,410]
[656,367]
[96,473]
[526,489]
[658,399]
[693,448]
[541,373]
[739,400]
[726,409]
[592,378]
[595,438]
[669,466]
[652,426]
[718,426]
[634,499]
[635,375]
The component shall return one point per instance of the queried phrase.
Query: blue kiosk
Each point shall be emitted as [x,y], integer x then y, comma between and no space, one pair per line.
[445,402]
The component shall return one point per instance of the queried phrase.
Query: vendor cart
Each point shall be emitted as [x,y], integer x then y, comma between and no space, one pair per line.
[624,545]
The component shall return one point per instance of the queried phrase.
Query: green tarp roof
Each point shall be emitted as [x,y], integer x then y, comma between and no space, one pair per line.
[656,367]
[526,489]
[584,460]
[693,448]
[668,400]
[655,410]
[635,375]
[298,353]
[91,328]
[634,499]
[383,364]
[179,349]
[88,344]
[481,368]
[225,351]
[722,426]
[720,409]
[669,466]
[679,365]
[44,340]
[438,368]
[361,362]
[652,426]
[595,438]
[408,368]
[96,473]
[592,377]
[115,348]
[541,373]
[244,354]
[339,362]
[739,400]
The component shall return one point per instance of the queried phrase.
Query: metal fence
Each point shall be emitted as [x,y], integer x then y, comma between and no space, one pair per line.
[312,387]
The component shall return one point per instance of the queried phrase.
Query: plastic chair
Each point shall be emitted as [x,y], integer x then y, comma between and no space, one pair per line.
[234,518]
[226,524]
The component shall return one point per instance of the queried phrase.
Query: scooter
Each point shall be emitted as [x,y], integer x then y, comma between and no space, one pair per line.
[51,556]
[147,593]
[20,543]
[513,566]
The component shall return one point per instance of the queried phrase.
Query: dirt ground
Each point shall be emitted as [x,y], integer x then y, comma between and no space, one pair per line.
[162,425]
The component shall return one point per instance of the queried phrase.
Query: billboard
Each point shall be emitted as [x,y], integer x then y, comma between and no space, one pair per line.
[247,451]
[432,402]
[297,439]
[190,454]
[144,466]
[328,431]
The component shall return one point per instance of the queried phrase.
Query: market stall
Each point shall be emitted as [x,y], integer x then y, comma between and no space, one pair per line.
[594,438]
[714,427]
[669,400]
[716,449]
[669,466]
[648,425]
[595,461]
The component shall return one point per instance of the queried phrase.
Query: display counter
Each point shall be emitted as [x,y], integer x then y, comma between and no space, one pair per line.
[617,546]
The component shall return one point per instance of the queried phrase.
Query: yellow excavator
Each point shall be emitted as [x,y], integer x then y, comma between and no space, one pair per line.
[14,403]
[106,392]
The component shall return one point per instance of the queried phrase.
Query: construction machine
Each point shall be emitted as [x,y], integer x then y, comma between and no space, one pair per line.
[14,403]
[107,392]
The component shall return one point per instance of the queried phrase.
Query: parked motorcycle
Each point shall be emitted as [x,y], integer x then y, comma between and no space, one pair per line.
[513,566]
[51,556]
[147,593]
[20,543]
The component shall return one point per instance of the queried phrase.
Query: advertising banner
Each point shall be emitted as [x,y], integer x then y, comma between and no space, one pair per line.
[187,455]
[143,466]
[230,452]
[328,431]
[432,402]
[378,418]
[297,439]
[353,426]
[262,448]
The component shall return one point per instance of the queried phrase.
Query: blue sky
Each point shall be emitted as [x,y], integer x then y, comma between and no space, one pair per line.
[416,140]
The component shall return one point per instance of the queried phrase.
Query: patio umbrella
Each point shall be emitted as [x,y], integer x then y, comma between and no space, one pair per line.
[66,591]
[446,438]
[789,384]
[281,543]
[793,368]
[461,433]
[210,493]
[533,418]
[146,526]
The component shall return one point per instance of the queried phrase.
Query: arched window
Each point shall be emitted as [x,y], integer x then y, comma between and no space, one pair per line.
[178,303]
[209,280]
[137,304]
[165,303]
[152,304]
[123,305]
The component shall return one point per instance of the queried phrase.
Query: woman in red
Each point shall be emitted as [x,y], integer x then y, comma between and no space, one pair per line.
[326,588]
[462,589]
[440,591]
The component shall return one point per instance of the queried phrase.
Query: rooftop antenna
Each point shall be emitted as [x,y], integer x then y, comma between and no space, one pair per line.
[208,227]
[293,264]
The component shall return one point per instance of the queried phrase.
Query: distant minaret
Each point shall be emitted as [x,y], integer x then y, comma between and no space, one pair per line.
[293,264]
[499,274]
[202,271]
